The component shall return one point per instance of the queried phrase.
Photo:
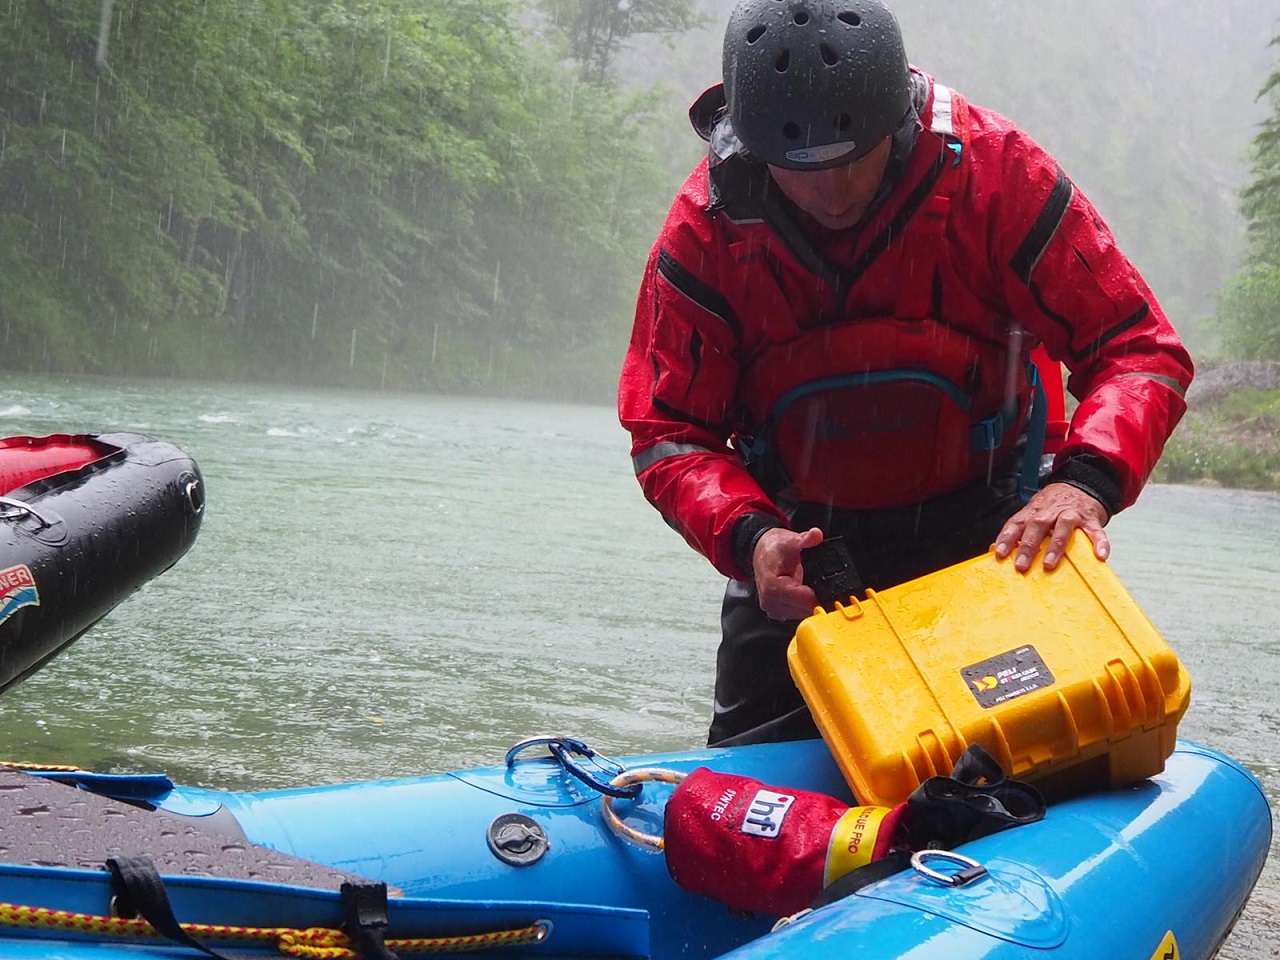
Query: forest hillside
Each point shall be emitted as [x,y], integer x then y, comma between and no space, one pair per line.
[459,194]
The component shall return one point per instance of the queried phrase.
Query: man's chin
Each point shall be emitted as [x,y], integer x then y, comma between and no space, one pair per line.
[842,221]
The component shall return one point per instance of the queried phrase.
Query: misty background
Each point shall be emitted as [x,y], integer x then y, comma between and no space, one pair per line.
[458,195]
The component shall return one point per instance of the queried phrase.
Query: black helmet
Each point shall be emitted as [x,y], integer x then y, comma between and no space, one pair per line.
[814,83]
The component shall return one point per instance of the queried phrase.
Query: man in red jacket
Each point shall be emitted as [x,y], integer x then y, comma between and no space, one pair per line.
[834,331]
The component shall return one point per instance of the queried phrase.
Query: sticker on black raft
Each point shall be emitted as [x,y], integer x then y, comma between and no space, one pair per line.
[17,590]
[1007,676]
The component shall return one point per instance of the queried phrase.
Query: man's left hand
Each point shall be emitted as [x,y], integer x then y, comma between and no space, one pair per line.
[1055,512]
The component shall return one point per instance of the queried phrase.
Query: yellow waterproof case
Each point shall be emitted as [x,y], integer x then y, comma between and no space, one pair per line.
[1058,675]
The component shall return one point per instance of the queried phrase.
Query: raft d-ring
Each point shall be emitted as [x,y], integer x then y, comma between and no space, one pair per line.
[15,508]
[193,490]
[970,871]
[637,777]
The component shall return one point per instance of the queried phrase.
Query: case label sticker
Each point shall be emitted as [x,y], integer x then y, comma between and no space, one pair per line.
[17,590]
[1007,676]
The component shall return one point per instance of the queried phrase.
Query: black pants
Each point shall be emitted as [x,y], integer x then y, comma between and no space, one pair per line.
[756,701]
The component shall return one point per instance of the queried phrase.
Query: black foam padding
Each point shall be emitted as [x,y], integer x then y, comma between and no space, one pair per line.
[48,824]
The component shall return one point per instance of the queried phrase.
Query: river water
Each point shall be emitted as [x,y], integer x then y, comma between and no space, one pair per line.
[391,585]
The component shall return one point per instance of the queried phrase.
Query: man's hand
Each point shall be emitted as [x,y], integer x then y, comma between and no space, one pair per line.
[780,575]
[1054,512]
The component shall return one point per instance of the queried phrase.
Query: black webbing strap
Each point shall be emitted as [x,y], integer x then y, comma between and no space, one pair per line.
[864,876]
[944,812]
[364,919]
[976,766]
[976,800]
[139,892]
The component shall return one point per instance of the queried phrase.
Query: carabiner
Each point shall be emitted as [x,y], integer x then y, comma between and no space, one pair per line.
[564,749]
[539,741]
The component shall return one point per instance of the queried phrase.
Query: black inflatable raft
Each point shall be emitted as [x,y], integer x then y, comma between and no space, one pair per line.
[84,521]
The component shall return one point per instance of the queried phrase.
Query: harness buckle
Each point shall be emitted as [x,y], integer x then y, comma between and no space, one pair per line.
[987,435]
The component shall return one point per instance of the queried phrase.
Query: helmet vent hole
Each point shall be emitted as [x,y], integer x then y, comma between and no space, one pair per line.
[829,56]
[844,122]
[849,17]
[791,131]
[783,61]
[755,33]
[802,17]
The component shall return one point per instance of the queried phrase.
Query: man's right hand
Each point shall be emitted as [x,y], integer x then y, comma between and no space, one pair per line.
[780,575]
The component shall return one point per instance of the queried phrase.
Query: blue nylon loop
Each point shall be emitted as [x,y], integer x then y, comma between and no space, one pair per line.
[869,379]
[985,436]
[762,446]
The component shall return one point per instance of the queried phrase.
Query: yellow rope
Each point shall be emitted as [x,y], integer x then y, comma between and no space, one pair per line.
[320,943]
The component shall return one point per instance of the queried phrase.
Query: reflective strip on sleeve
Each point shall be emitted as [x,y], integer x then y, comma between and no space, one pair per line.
[664,451]
[1169,382]
[943,111]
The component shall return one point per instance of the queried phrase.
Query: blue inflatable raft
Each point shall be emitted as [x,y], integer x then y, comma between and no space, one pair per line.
[1161,869]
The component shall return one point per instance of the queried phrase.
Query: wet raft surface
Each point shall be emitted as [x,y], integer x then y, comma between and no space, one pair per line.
[50,824]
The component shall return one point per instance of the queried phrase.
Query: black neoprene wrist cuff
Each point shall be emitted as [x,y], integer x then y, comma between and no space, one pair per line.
[1095,476]
[747,531]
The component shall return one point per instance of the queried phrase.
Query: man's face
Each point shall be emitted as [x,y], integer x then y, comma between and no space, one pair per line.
[837,197]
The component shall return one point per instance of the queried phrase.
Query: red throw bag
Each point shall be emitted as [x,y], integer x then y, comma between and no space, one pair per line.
[767,849]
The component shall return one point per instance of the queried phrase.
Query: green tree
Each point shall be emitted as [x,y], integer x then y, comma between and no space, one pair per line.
[595,31]
[405,193]
[1251,303]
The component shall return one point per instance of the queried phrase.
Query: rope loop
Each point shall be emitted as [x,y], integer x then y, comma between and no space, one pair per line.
[636,779]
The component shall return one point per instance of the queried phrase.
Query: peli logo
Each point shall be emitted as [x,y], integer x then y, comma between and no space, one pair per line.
[17,590]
